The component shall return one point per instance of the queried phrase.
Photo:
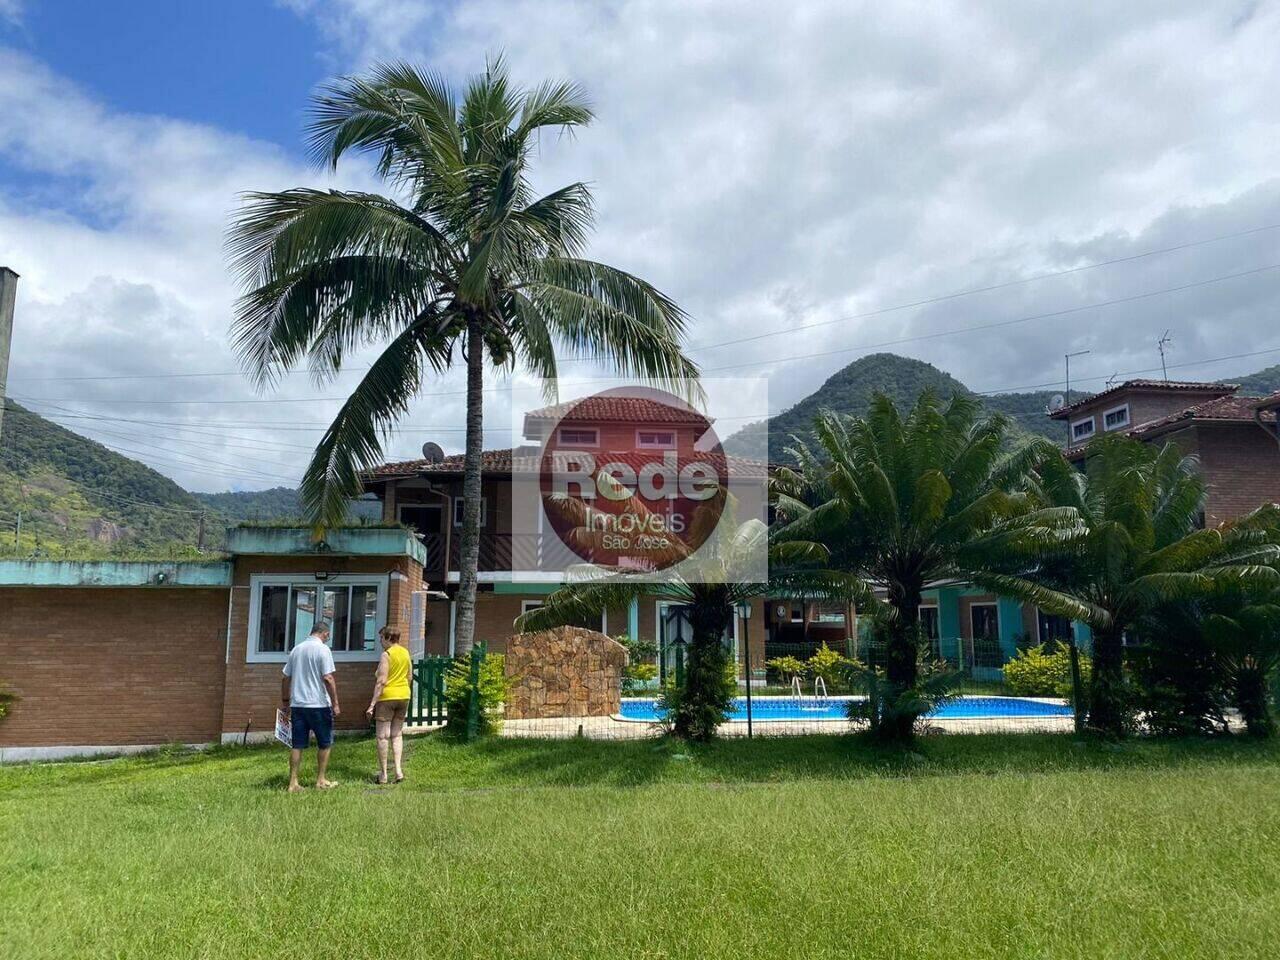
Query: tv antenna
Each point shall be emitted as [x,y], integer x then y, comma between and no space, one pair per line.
[1161,344]
[1112,379]
[1078,353]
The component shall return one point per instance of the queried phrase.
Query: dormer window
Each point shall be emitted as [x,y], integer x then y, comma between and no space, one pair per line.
[1116,418]
[656,439]
[1082,429]
[580,436]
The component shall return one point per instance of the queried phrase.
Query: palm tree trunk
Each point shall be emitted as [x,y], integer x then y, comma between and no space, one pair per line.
[469,559]
[1108,711]
[706,697]
[902,657]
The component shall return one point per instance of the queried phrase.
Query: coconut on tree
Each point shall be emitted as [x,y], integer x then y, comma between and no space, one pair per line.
[459,259]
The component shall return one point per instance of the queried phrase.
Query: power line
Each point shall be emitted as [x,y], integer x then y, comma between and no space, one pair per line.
[880,311]
[1002,323]
[998,324]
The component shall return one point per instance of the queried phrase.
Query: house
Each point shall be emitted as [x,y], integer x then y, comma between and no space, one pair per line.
[1235,438]
[426,495]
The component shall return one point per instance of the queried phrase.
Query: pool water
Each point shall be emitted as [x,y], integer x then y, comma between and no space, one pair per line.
[788,708]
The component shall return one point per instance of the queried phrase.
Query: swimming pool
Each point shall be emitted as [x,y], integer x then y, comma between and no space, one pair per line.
[788,708]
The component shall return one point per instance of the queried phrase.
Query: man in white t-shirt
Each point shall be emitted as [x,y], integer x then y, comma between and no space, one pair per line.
[309,694]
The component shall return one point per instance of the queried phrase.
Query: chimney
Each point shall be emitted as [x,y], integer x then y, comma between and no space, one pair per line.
[8,287]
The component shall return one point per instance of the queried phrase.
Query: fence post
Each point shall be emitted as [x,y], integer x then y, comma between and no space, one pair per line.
[473,695]
[1076,698]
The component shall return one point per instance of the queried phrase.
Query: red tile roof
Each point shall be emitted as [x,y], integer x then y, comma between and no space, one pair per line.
[1182,386]
[615,409]
[528,460]
[1218,409]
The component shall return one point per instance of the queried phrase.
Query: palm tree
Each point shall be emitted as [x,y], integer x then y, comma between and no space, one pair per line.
[710,582]
[905,503]
[468,260]
[1141,548]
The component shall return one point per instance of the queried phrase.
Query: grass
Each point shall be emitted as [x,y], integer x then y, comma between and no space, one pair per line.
[975,846]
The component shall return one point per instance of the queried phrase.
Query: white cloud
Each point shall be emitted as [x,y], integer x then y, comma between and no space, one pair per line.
[770,165]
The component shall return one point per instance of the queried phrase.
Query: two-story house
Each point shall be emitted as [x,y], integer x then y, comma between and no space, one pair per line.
[426,495]
[1236,439]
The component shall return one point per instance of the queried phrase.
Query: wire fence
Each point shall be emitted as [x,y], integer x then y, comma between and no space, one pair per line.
[588,697]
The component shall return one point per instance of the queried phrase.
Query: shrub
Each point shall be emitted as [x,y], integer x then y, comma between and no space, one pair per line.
[786,667]
[641,669]
[831,666]
[1044,672]
[491,691]
[7,698]
[882,712]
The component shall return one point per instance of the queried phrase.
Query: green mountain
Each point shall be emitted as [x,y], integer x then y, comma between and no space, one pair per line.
[850,391]
[277,503]
[73,494]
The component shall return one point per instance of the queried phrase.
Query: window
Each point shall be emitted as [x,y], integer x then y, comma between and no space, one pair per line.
[1053,628]
[829,613]
[1115,419]
[590,623]
[458,507]
[929,622]
[423,519]
[282,613]
[1081,429]
[985,620]
[656,439]
[586,437]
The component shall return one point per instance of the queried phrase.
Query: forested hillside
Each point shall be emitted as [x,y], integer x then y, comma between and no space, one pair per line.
[277,503]
[73,492]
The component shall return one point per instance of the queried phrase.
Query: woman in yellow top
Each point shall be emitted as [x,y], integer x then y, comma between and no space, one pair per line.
[390,703]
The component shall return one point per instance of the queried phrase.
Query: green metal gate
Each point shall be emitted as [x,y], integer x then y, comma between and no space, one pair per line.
[426,704]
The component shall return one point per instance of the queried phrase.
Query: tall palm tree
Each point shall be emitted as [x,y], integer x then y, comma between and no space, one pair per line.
[1141,547]
[463,259]
[902,503]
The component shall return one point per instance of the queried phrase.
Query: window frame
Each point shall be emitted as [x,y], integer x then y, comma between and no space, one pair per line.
[641,445]
[937,618]
[1107,428]
[594,431]
[1093,428]
[458,508]
[258,581]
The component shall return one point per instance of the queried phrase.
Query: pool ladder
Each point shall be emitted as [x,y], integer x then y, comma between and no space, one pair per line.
[820,697]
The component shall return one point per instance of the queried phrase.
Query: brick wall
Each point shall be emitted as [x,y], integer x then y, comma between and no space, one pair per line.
[253,689]
[1241,466]
[112,666]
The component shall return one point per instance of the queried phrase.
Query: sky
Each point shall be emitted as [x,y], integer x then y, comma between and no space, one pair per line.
[799,177]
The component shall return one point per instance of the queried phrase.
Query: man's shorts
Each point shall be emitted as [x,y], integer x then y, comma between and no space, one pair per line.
[309,720]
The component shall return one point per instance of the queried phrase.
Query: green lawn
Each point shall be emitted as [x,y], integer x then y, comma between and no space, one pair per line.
[977,846]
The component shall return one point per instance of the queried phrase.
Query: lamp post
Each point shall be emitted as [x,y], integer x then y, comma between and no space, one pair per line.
[744,611]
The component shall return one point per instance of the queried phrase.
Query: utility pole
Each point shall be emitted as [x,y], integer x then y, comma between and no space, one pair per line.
[8,289]
[200,534]
[1161,344]
[1078,353]
[17,531]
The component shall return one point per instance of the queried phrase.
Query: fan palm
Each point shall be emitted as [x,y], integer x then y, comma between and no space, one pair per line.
[468,261]
[1141,547]
[1247,644]
[902,503]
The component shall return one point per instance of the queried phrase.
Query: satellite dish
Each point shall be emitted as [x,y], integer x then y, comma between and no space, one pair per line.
[1057,403]
[432,452]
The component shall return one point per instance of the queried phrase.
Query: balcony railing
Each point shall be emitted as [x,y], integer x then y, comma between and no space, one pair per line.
[498,552]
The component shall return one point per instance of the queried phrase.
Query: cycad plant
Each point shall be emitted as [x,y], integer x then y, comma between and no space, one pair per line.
[1141,547]
[1247,643]
[901,503]
[462,258]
